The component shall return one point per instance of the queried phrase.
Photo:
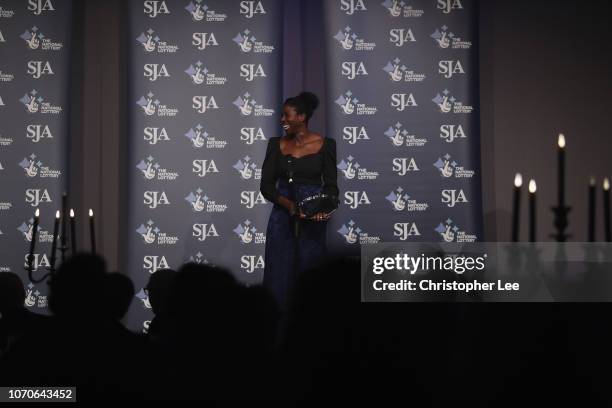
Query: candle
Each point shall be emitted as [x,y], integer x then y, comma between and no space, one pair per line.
[606,197]
[532,211]
[33,239]
[591,214]
[518,182]
[64,217]
[72,231]
[561,171]
[92,232]
[54,245]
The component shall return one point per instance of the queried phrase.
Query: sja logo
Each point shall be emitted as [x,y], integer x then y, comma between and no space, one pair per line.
[403,165]
[452,132]
[154,199]
[38,261]
[405,230]
[155,71]
[251,71]
[351,6]
[152,263]
[448,68]
[354,199]
[401,101]
[37,7]
[204,40]
[37,132]
[203,231]
[251,198]
[249,263]
[204,103]
[354,133]
[36,196]
[154,8]
[401,36]
[447,6]
[39,68]
[203,167]
[352,69]
[251,134]
[452,197]
[155,134]
[250,8]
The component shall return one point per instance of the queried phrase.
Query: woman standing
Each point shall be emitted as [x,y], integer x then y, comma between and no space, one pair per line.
[303,163]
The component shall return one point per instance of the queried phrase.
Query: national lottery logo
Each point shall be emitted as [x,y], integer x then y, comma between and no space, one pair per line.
[36,40]
[350,105]
[352,170]
[199,75]
[199,259]
[143,296]
[445,39]
[201,12]
[199,138]
[248,234]
[401,201]
[247,106]
[6,13]
[6,141]
[151,234]
[152,106]
[199,202]
[247,43]
[450,232]
[400,72]
[399,8]
[447,103]
[151,170]
[247,169]
[4,77]
[449,168]
[151,42]
[349,40]
[34,167]
[26,228]
[35,103]
[353,234]
[33,298]
[399,136]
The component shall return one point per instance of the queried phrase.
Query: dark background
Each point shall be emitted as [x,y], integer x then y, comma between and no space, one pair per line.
[544,69]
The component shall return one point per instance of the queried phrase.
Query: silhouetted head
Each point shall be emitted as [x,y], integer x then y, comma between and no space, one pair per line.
[297,111]
[12,293]
[159,289]
[118,294]
[77,288]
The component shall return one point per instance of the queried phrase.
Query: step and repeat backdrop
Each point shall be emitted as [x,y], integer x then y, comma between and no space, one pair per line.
[204,97]
[34,115]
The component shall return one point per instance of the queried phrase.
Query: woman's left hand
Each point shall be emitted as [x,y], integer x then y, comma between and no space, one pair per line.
[320,216]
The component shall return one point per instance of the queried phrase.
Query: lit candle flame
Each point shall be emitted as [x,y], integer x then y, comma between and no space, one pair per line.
[532,186]
[90,212]
[71,213]
[518,180]
[57,214]
[37,212]
[561,141]
[606,184]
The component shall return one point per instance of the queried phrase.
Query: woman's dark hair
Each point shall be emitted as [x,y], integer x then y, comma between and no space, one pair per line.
[305,102]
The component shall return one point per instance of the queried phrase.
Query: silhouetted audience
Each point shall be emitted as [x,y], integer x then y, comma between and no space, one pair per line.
[216,340]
